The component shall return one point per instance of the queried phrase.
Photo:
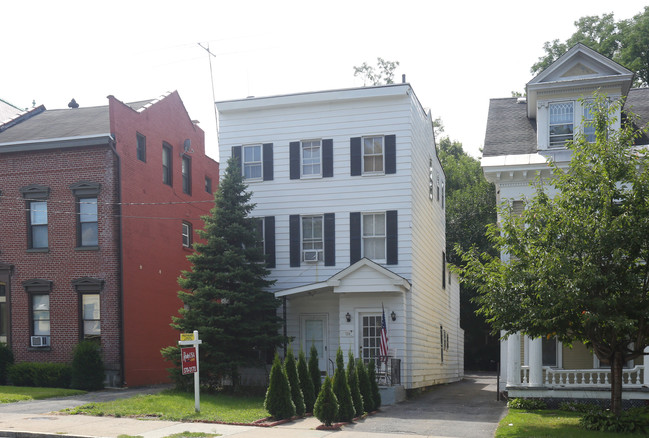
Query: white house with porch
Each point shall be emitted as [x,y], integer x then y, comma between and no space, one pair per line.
[522,135]
[349,193]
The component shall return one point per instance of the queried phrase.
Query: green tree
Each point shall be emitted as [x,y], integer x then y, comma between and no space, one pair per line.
[294,381]
[625,41]
[364,386]
[352,380]
[578,266]
[470,207]
[306,384]
[382,74]
[314,369]
[342,391]
[225,294]
[326,406]
[87,366]
[278,400]
[371,375]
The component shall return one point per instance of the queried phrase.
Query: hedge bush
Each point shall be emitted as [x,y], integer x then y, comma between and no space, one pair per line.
[364,386]
[278,401]
[352,380]
[326,405]
[314,369]
[376,395]
[529,404]
[6,360]
[87,367]
[43,374]
[631,421]
[294,382]
[306,384]
[342,391]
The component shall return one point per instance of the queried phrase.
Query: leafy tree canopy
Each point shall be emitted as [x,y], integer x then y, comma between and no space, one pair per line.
[382,74]
[625,41]
[577,267]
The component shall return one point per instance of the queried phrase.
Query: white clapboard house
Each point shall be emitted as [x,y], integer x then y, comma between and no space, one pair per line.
[349,193]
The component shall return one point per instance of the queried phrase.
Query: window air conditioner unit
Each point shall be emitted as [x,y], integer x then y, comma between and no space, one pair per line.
[40,341]
[310,256]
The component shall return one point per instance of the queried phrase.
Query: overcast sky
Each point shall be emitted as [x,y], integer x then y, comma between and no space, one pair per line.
[456,54]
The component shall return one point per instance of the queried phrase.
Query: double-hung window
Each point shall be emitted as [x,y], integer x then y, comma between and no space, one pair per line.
[91,314]
[259,233]
[252,162]
[141,147]
[41,316]
[88,224]
[373,156]
[374,236]
[167,163]
[311,158]
[561,123]
[589,119]
[187,234]
[312,238]
[38,224]
[187,174]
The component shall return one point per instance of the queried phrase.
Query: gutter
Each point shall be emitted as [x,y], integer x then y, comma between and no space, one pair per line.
[56,143]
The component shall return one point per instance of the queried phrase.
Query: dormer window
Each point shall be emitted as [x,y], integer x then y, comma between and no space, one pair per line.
[561,123]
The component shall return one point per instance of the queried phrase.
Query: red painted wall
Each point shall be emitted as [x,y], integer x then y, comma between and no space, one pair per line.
[153,254]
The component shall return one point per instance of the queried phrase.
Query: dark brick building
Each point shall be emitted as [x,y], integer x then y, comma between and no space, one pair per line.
[98,210]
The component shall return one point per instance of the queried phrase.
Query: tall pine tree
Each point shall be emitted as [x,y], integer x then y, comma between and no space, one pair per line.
[225,294]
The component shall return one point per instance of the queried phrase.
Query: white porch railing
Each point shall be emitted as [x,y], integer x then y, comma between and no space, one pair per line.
[587,378]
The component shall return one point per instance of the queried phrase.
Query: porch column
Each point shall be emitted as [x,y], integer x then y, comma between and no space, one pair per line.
[536,362]
[514,359]
[645,361]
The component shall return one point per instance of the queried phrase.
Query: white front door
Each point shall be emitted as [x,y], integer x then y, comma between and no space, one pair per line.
[370,336]
[314,332]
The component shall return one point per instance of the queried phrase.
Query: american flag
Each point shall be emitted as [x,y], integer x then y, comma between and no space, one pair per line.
[384,337]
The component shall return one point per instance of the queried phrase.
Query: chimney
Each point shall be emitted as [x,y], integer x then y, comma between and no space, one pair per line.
[403,78]
[73,104]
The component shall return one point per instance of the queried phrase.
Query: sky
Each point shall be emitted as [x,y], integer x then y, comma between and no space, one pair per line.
[455,54]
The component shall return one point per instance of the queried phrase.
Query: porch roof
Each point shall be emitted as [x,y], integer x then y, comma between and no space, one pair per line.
[343,281]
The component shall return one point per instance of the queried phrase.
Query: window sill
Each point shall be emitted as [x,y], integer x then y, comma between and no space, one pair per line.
[39,348]
[86,248]
[373,174]
[38,250]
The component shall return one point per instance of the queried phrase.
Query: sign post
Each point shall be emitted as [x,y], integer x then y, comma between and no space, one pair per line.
[189,362]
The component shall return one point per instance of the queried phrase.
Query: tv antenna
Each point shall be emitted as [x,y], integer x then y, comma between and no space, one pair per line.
[209,56]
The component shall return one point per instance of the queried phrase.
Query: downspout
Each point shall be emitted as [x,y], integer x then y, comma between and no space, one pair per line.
[285,337]
[120,258]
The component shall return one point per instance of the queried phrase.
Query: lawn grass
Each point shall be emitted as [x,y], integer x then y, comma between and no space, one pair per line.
[10,394]
[547,423]
[179,406]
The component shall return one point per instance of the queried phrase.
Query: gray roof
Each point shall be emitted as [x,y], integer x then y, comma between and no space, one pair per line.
[510,132]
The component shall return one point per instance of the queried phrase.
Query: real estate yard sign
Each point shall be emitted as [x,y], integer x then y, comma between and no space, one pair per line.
[188,360]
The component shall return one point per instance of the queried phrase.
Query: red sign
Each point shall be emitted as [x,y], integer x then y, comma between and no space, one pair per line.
[188,360]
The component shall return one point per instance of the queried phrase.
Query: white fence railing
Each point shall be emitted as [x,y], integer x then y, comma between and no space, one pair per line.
[587,378]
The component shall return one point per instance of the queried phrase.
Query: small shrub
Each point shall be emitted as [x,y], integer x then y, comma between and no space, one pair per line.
[6,360]
[577,406]
[376,395]
[87,366]
[294,382]
[278,401]
[528,404]
[326,405]
[182,382]
[342,391]
[352,380]
[306,384]
[42,374]
[630,421]
[364,386]
[314,369]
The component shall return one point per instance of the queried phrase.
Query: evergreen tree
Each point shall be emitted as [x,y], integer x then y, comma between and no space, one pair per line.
[87,367]
[376,395]
[314,369]
[225,293]
[342,391]
[306,384]
[352,380]
[294,381]
[278,401]
[364,386]
[326,406]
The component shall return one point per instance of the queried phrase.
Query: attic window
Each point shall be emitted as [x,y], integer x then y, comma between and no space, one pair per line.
[561,123]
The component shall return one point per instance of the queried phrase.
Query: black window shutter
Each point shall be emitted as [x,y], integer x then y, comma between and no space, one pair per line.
[355,155]
[391,237]
[236,153]
[354,237]
[330,239]
[294,240]
[390,154]
[269,240]
[294,159]
[327,158]
[268,161]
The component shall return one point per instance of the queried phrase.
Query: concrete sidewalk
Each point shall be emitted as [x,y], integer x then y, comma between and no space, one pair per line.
[455,410]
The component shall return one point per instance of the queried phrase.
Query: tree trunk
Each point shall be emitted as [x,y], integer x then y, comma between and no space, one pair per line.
[617,365]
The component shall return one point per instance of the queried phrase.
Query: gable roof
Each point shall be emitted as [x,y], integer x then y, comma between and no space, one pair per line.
[8,111]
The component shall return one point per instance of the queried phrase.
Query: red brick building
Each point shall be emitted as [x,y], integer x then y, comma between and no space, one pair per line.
[98,210]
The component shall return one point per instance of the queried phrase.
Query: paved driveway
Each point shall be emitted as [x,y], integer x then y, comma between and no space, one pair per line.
[462,409]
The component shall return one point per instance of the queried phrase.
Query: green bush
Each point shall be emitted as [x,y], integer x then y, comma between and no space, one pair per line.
[278,401]
[42,374]
[314,369]
[376,395]
[577,406]
[294,383]
[87,367]
[352,380]
[631,421]
[364,386]
[326,405]
[306,384]
[529,404]
[342,391]
[6,360]
[182,382]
